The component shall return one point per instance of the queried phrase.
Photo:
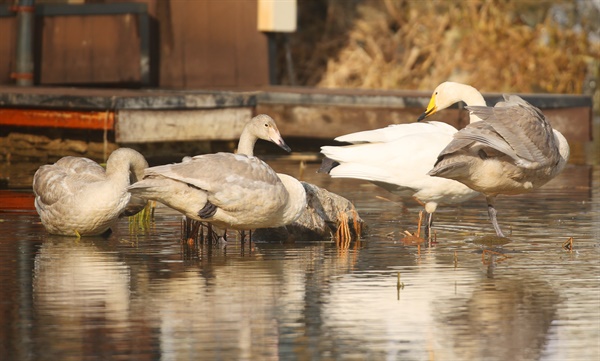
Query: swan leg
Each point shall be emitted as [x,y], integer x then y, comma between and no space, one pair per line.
[207,211]
[492,214]
[428,226]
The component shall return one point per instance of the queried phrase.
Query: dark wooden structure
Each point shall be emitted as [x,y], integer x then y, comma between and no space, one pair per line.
[142,43]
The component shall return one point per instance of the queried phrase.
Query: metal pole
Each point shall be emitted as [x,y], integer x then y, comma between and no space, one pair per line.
[24,55]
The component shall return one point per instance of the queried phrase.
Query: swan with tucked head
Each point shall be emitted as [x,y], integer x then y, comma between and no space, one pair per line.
[77,197]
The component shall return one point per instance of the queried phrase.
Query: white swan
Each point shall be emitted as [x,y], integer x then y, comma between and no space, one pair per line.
[77,197]
[232,191]
[513,150]
[398,157]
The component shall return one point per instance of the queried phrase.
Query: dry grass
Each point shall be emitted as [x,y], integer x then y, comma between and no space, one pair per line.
[496,46]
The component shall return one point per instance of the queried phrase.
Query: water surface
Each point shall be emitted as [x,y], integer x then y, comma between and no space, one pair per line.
[144,295]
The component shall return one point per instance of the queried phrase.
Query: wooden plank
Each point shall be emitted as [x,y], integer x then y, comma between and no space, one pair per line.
[57,119]
[399,98]
[574,123]
[90,50]
[251,70]
[7,48]
[221,44]
[227,50]
[137,126]
[298,120]
[171,74]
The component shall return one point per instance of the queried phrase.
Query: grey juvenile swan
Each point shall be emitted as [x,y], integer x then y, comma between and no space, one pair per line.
[512,150]
[77,197]
[231,191]
[398,157]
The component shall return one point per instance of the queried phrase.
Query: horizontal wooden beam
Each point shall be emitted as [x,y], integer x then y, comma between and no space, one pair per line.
[90,9]
[57,118]
[99,99]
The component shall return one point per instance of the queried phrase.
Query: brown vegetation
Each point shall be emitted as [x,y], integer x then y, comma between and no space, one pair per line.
[494,45]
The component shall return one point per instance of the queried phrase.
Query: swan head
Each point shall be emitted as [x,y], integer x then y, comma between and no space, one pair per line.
[263,127]
[123,159]
[449,93]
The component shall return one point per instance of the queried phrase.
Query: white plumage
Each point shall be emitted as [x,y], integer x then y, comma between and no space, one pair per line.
[398,157]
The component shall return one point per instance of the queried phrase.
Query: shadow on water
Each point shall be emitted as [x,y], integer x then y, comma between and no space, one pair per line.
[144,294]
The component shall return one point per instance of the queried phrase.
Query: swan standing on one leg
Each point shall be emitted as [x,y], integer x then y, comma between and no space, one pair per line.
[512,151]
[77,197]
[237,191]
[398,157]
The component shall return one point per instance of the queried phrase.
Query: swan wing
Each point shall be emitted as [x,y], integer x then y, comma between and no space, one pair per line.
[397,166]
[394,132]
[517,129]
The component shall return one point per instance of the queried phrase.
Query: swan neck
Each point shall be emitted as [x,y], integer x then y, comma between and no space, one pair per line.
[124,161]
[563,146]
[472,97]
[246,143]
[296,198]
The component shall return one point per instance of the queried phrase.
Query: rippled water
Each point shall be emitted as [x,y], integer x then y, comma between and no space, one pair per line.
[143,295]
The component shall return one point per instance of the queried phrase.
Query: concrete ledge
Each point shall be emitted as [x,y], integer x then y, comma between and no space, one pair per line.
[139,126]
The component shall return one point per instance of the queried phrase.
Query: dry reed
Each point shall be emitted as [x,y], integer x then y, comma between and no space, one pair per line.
[143,219]
[496,46]
[568,244]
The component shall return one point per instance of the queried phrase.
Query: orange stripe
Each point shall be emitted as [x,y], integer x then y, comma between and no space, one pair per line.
[57,118]
[16,200]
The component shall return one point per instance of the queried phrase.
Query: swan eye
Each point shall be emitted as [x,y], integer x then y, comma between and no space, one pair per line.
[266,125]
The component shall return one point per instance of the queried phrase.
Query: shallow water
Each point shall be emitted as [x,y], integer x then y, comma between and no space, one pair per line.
[144,295]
